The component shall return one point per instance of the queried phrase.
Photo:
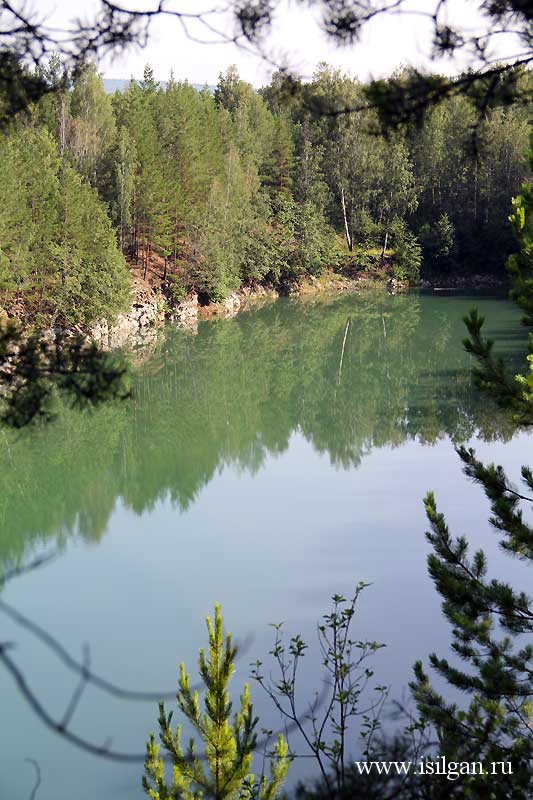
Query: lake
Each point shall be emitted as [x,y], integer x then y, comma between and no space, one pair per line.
[266,462]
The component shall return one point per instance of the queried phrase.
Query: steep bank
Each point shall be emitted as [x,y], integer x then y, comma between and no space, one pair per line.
[146,314]
[151,309]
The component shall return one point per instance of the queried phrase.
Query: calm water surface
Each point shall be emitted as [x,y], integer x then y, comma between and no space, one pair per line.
[266,462]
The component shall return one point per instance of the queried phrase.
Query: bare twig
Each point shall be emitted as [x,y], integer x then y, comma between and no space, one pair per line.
[84,744]
[38,780]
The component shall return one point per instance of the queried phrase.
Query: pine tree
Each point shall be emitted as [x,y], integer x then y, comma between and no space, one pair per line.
[91,278]
[151,213]
[231,90]
[15,220]
[520,265]
[407,252]
[491,621]
[277,172]
[222,772]
[58,250]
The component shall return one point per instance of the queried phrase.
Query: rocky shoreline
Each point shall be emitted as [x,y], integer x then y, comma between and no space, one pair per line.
[440,282]
[136,326]
[150,310]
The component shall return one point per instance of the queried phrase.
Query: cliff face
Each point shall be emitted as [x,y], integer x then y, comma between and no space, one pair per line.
[149,311]
[146,314]
[150,308]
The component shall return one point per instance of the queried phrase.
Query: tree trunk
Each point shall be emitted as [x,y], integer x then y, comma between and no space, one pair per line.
[349,240]
[122,207]
[386,239]
[63,125]
[384,245]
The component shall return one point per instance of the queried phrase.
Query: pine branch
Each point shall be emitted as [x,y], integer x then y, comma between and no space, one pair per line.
[34,370]
[490,374]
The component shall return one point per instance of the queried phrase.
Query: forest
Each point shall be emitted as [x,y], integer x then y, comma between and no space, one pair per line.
[212,190]
[265,462]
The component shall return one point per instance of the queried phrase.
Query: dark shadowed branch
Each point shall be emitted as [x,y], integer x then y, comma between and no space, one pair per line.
[62,725]
[52,724]
[38,781]
[35,369]
[27,38]
[82,669]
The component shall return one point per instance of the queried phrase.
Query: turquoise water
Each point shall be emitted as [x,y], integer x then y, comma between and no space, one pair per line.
[266,462]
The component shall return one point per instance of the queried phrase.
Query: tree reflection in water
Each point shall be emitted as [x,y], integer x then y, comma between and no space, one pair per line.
[235,393]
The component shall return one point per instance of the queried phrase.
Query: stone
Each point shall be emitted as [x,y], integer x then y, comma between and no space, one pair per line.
[186,313]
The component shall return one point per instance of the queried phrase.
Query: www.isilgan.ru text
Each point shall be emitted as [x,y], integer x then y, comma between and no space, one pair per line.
[452,770]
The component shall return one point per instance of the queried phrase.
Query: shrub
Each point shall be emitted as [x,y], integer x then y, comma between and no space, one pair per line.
[438,243]
[177,290]
[407,253]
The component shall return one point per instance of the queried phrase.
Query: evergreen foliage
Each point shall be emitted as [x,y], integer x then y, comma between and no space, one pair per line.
[34,370]
[520,265]
[212,191]
[58,251]
[237,187]
[438,243]
[491,621]
[224,773]
[408,253]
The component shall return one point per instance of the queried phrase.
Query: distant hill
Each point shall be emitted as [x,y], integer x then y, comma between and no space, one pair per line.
[120,84]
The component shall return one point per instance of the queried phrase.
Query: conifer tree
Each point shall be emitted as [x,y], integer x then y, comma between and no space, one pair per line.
[152,216]
[491,621]
[223,770]
[15,219]
[58,250]
[520,265]
[279,164]
[91,280]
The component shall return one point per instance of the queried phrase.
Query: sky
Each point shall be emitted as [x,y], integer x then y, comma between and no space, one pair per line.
[296,40]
